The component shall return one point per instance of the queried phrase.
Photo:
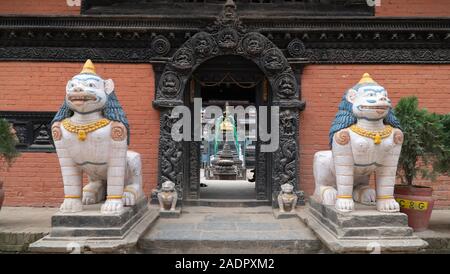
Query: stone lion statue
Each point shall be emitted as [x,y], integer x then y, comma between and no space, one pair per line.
[365,138]
[168,196]
[287,199]
[91,135]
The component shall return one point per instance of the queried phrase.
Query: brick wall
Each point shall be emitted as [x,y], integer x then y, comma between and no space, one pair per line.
[35,178]
[413,8]
[324,85]
[55,7]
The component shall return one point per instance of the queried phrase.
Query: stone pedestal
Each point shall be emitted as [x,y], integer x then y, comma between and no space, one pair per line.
[365,230]
[170,213]
[226,167]
[90,231]
[284,215]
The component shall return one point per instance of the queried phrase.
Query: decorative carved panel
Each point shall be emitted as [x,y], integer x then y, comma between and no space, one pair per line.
[33,129]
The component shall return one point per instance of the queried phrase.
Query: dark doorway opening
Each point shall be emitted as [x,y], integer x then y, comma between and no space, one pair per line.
[228,92]
[232,81]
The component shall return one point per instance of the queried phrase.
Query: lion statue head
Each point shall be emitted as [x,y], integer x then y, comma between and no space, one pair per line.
[366,100]
[87,92]
[168,186]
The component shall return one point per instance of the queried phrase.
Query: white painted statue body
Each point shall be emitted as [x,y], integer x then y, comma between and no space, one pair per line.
[342,174]
[113,171]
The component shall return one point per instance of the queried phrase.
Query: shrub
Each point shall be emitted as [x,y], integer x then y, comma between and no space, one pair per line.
[8,141]
[426,150]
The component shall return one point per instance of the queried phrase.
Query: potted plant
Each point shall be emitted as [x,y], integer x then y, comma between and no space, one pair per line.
[425,154]
[8,152]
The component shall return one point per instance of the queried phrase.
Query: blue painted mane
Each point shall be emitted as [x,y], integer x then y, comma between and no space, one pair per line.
[345,118]
[112,111]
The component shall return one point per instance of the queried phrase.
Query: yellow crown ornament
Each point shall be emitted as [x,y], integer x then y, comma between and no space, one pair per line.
[88,68]
[367,79]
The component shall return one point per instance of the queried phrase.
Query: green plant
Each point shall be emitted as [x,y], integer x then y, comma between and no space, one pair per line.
[443,165]
[425,152]
[8,141]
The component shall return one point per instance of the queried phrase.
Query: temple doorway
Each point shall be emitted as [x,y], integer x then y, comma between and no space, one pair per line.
[228,164]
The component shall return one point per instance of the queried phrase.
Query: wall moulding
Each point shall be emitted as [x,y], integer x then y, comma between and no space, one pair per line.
[150,39]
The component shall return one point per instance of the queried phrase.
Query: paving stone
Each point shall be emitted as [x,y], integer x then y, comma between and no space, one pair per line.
[259,226]
[226,218]
[175,226]
[231,230]
[176,235]
[216,226]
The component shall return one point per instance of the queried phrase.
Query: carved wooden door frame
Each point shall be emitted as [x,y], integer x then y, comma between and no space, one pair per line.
[228,36]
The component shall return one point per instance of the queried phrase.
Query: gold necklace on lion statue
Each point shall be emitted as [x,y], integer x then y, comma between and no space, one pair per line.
[83,130]
[377,136]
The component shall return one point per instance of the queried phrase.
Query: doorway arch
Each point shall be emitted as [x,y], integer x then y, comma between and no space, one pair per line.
[228,36]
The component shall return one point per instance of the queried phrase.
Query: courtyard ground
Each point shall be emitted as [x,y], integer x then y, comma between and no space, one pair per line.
[208,229]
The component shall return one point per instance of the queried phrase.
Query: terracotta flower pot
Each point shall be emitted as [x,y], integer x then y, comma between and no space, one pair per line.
[416,202]
[2,194]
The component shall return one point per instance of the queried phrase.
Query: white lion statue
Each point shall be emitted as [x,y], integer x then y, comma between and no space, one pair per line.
[365,138]
[168,196]
[287,199]
[91,135]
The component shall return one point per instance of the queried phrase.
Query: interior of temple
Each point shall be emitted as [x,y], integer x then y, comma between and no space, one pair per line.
[228,162]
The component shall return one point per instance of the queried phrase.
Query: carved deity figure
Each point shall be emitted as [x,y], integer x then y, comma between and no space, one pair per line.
[168,196]
[254,46]
[91,136]
[365,138]
[286,86]
[287,199]
[169,84]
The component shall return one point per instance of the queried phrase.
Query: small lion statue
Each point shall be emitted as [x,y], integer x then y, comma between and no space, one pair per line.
[365,138]
[168,196]
[91,135]
[287,199]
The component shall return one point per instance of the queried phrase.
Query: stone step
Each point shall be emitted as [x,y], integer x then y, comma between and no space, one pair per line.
[15,242]
[362,216]
[229,231]
[227,202]
[90,223]
[348,233]
[376,232]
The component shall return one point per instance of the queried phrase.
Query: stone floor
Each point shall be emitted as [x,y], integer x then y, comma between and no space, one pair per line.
[229,190]
[20,226]
[229,230]
[438,233]
[205,229]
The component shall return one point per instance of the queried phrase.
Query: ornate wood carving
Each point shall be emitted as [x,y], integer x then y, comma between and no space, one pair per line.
[151,39]
[194,167]
[33,129]
[228,36]
[170,153]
